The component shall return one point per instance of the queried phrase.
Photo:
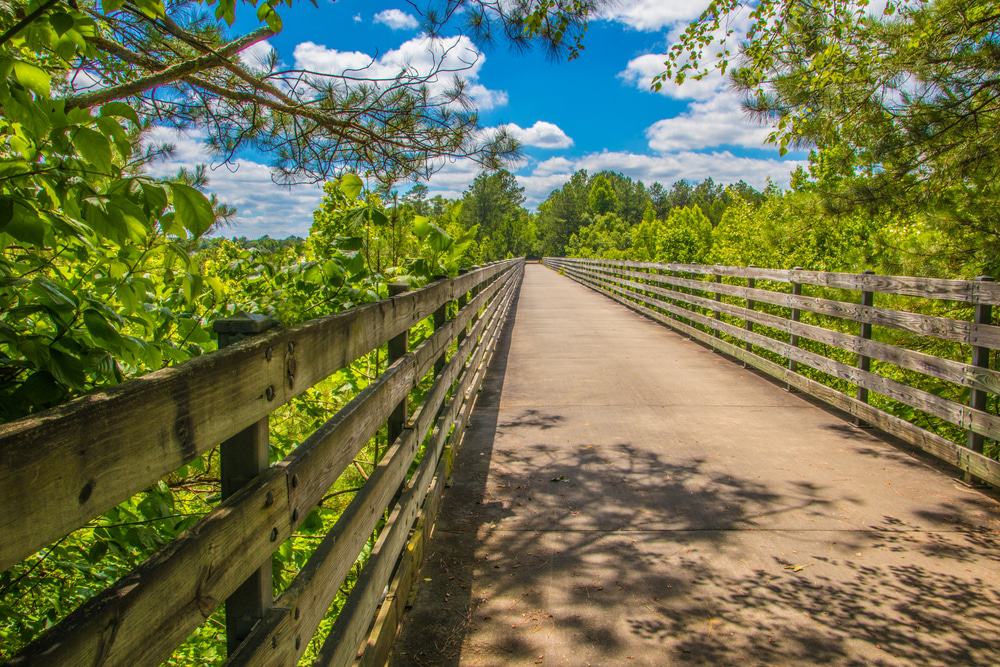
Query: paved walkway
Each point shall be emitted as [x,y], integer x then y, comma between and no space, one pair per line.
[627,497]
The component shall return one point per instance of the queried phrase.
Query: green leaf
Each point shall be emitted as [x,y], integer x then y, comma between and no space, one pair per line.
[95,148]
[192,209]
[101,329]
[438,239]
[421,226]
[66,368]
[61,22]
[56,294]
[33,78]
[120,110]
[267,14]
[350,185]
[313,523]
[349,243]
[40,389]
[226,11]
[153,8]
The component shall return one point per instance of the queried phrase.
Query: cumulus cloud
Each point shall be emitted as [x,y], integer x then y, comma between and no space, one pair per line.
[554,165]
[653,14]
[713,117]
[263,206]
[718,121]
[258,55]
[396,19]
[442,60]
[640,71]
[540,135]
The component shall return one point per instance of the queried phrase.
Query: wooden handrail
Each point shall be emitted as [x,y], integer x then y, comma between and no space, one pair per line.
[693,306]
[62,467]
[143,617]
[966,291]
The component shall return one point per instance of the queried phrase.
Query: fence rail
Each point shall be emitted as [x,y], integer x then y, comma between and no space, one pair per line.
[689,298]
[64,467]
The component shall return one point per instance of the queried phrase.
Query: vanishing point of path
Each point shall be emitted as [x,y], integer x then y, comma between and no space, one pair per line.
[628,497]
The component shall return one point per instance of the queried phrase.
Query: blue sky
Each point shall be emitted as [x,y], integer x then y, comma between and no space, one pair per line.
[595,112]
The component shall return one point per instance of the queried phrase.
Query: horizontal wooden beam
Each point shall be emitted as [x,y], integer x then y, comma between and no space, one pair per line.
[944,328]
[140,620]
[957,372]
[966,291]
[955,454]
[62,467]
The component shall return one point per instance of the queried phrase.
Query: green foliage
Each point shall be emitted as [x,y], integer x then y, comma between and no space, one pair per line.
[494,205]
[607,236]
[602,198]
[902,101]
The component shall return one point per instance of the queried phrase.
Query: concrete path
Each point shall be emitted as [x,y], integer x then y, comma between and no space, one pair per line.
[627,497]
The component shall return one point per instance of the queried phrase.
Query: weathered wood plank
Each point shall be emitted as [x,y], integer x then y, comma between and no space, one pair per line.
[308,597]
[377,649]
[924,325]
[961,457]
[967,291]
[182,584]
[60,468]
[355,618]
[950,411]
[945,369]
[142,618]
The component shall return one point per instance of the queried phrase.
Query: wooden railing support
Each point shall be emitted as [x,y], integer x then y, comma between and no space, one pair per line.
[463,299]
[397,348]
[652,289]
[793,339]
[748,323]
[158,423]
[718,297]
[864,361]
[440,317]
[241,458]
[980,359]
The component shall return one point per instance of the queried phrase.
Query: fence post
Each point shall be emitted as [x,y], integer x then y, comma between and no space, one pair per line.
[463,301]
[980,359]
[793,339]
[397,348]
[748,324]
[718,297]
[241,458]
[440,317]
[865,362]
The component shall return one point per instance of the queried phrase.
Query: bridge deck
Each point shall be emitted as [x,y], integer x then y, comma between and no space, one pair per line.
[626,496]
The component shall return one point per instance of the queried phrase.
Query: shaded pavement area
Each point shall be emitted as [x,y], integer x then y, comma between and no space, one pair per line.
[626,496]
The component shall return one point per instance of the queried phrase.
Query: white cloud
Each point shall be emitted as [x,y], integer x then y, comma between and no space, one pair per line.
[540,135]
[396,19]
[653,14]
[257,56]
[441,60]
[263,206]
[640,72]
[718,121]
[357,18]
[554,165]
[713,117]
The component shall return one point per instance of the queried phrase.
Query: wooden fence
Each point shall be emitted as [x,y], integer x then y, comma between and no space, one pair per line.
[755,315]
[60,469]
